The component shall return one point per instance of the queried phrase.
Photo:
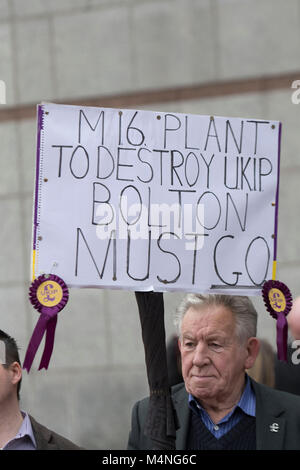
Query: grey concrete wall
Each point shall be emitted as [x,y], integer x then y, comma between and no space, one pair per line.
[62,49]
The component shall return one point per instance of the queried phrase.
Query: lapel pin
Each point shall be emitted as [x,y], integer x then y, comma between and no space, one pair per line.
[274,427]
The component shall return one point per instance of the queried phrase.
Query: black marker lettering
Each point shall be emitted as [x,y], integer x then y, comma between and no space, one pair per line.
[112,236]
[146,163]
[209,205]
[81,113]
[215,135]
[228,126]
[261,173]
[179,191]
[135,130]
[60,155]
[120,128]
[150,211]
[208,168]
[191,183]
[196,236]
[242,225]
[173,166]
[256,131]
[120,149]
[148,258]
[105,202]
[243,170]
[255,255]
[100,158]
[186,136]
[170,129]
[236,173]
[124,217]
[85,161]
[216,266]
[161,165]
[165,281]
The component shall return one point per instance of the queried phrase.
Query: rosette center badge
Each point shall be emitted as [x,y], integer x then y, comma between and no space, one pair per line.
[277,300]
[49,294]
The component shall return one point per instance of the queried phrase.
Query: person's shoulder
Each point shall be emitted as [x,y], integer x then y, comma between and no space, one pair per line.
[47,439]
[269,393]
[178,390]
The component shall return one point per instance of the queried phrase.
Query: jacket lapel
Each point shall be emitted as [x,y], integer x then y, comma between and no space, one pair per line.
[270,433]
[42,436]
[180,401]
[270,420]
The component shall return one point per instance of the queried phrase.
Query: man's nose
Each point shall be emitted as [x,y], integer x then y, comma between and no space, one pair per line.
[201,355]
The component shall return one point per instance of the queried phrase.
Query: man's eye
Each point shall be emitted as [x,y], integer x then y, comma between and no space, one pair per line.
[189,344]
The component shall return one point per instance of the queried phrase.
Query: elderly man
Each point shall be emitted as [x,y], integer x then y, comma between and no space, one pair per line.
[18,430]
[219,406]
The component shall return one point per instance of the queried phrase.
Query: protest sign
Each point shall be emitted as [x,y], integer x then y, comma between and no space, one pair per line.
[143,200]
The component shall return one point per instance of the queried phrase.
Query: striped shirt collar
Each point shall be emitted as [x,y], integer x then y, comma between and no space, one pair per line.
[24,439]
[26,428]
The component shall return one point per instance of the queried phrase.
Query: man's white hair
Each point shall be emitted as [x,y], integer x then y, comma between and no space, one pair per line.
[241,307]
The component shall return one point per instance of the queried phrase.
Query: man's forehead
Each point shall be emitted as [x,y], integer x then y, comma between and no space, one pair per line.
[211,318]
[2,352]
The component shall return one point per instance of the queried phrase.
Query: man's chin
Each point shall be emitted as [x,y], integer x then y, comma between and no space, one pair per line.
[202,387]
[203,380]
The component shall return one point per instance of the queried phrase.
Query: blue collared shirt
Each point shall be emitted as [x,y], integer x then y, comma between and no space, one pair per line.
[246,405]
[24,439]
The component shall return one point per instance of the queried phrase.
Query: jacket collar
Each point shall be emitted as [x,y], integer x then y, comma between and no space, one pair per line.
[270,419]
[180,401]
[43,436]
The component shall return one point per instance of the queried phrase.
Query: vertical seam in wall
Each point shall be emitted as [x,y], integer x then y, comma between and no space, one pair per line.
[19,197]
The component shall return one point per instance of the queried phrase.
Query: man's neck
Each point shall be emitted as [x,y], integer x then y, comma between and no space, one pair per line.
[10,421]
[218,409]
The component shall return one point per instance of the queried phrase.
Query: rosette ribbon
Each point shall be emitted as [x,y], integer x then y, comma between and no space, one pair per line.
[48,295]
[278,301]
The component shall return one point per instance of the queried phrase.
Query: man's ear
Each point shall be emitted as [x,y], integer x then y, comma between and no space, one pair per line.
[15,372]
[253,346]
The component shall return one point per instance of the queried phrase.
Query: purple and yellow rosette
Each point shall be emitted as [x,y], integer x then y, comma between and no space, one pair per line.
[48,295]
[278,301]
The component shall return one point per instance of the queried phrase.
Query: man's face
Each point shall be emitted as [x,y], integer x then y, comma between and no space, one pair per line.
[213,361]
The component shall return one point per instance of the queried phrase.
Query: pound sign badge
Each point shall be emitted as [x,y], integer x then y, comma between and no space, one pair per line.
[274,427]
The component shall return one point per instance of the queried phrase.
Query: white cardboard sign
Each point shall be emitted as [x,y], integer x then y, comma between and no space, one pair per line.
[142,200]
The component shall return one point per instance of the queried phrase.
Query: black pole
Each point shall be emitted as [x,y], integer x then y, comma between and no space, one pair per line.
[161,422]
